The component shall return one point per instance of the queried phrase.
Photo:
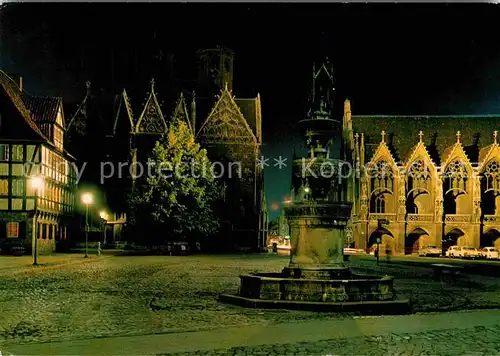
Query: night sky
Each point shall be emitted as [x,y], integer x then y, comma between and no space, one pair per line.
[389,58]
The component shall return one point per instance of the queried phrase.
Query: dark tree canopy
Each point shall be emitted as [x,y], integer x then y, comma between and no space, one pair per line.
[174,200]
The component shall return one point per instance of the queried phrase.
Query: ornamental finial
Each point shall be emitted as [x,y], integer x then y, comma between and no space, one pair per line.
[495,136]
[383,136]
[458,136]
[421,136]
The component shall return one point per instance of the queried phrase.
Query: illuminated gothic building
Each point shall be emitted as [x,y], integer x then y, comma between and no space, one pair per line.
[32,143]
[424,180]
[229,128]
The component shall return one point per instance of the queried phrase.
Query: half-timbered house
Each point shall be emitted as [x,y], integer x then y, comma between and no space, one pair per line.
[32,143]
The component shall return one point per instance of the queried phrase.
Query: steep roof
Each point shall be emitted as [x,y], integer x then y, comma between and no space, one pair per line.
[15,95]
[42,109]
[476,131]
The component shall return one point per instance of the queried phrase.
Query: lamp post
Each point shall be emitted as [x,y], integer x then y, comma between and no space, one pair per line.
[37,185]
[87,199]
[104,217]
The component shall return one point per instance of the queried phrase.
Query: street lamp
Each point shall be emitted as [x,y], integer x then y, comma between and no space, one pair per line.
[37,185]
[104,217]
[87,199]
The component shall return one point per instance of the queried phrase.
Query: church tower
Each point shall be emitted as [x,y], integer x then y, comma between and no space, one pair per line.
[215,69]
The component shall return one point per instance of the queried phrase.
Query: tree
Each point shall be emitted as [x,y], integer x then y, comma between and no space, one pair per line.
[174,201]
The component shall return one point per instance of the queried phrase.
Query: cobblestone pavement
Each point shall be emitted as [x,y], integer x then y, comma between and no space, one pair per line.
[132,295]
[475,341]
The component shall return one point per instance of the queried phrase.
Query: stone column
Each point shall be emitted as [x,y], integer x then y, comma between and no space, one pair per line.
[476,200]
[317,238]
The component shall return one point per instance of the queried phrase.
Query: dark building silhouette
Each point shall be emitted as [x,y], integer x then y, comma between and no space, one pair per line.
[229,128]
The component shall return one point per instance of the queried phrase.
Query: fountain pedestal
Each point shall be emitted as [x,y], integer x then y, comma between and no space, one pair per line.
[317,277]
[317,238]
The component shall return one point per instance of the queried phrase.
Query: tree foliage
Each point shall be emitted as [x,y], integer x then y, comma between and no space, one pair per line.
[174,201]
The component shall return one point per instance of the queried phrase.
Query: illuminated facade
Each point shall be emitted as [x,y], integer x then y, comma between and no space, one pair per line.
[424,180]
[31,143]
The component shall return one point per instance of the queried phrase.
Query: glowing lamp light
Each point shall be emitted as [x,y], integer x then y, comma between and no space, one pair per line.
[87,198]
[37,182]
[307,189]
[103,215]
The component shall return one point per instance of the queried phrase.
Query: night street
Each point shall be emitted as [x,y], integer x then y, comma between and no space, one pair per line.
[207,179]
[108,296]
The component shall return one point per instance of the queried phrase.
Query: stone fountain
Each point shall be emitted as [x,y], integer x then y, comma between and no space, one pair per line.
[317,277]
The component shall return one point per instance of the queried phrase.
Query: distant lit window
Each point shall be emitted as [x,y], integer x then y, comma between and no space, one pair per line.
[4,169]
[18,187]
[4,152]
[17,152]
[13,229]
[4,187]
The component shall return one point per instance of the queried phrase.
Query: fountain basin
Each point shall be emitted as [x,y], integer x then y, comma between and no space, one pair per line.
[367,294]
[273,286]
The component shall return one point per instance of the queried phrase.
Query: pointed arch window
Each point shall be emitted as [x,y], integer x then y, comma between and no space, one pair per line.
[380,204]
[491,176]
[382,176]
[456,176]
[419,176]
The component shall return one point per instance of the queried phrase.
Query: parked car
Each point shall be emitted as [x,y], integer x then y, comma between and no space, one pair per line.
[452,251]
[470,252]
[466,252]
[430,250]
[490,253]
[354,251]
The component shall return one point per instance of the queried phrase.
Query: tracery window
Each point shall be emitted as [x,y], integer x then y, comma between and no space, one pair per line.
[382,176]
[456,176]
[419,176]
[492,176]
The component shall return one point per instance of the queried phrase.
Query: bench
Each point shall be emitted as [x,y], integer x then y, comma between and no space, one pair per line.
[442,270]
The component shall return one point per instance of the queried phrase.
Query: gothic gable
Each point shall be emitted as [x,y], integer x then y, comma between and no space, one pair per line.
[181,112]
[420,153]
[151,120]
[456,153]
[123,118]
[493,152]
[383,153]
[490,151]
[226,123]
